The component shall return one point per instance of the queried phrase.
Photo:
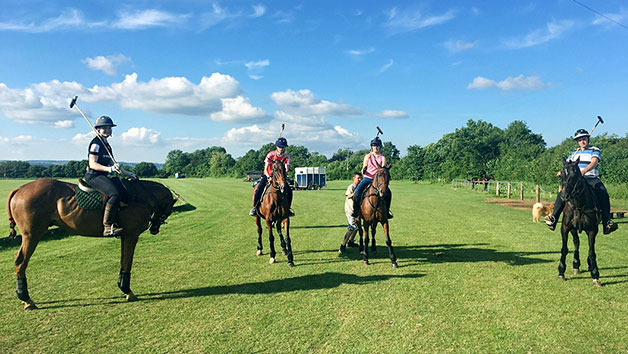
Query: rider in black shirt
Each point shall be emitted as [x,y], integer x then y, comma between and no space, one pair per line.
[100,164]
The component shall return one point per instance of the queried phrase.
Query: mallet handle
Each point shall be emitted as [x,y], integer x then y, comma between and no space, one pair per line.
[94,129]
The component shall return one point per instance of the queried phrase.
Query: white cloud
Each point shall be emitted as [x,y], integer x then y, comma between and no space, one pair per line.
[106,64]
[217,15]
[83,139]
[304,102]
[147,18]
[256,77]
[255,65]
[386,66]
[510,83]
[18,140]
[48,102]
[409,20]
[617,17]
[361,52]
[68,19]
[140,137]
[458,46]
[552,30]
[258,10]
[390,113]
[239,110]
[64,124]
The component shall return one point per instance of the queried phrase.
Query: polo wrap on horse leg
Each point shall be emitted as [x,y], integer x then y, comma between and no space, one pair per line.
[124,282]
[12,233]
[22,289]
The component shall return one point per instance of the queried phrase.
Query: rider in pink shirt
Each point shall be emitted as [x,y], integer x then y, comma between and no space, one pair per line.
[369,166]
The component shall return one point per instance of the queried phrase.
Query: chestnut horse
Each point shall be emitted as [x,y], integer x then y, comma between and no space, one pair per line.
[42,203]
[274,207]
[581,213]
[373,209]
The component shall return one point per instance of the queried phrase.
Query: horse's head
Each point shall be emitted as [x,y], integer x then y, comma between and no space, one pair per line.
[278,176]
[381,179]
[162,211]
[571,179]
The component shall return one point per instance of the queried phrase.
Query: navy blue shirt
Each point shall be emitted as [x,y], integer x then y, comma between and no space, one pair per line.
[96,147]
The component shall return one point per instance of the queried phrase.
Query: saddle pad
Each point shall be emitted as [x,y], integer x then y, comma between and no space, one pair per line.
[88,201]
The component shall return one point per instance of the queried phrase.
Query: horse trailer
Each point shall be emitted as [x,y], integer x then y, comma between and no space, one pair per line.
[310,177]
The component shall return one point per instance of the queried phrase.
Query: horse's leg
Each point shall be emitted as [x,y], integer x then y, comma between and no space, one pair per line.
[29,242]
[576,252]
[365,251]
[592,259]
[281,239]
[259,235]
[373,246]
[127,247]
[563,253]
[271,241]
[286,225]
[391,253]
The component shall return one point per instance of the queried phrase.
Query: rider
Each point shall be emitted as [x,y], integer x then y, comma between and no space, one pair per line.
[100,164]
[275,155]
[589,157]
[369,168]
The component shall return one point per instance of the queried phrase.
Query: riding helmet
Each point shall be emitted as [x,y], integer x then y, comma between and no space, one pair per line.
[281,142]
[104,121]
[376,142]
[580,133]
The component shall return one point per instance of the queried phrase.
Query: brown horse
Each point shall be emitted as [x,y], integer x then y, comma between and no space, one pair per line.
[373,209]
[40,204]
[274,207]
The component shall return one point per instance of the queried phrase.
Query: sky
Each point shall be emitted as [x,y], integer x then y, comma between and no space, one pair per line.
[190,74]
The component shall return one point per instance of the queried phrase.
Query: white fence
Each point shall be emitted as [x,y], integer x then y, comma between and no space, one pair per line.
[504,188]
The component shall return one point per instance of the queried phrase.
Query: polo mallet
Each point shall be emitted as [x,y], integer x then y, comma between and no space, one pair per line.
[72,105]
[599,120]
[281,132]
[379,131]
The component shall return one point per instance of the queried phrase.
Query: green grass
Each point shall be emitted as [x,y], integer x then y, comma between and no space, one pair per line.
[473,277]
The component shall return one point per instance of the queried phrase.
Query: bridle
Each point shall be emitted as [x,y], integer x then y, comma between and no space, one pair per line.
[578,187]
[274,177]
[378,191]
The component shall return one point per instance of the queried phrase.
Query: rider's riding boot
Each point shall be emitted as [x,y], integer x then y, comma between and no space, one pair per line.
[290,212]
[608,227]
[356,206]
[109,221]
[388,198]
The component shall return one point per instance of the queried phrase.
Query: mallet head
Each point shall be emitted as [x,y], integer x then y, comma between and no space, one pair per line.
[379,131]
[600,119]
[73,102]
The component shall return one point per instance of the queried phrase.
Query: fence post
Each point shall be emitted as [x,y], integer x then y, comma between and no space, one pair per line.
[521,190]
[497,189]
[538,193]
[509,189]
[452,183]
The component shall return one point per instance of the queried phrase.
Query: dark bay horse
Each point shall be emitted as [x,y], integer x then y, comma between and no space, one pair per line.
[581,213]
[45,202]
[373,210]
[274,207]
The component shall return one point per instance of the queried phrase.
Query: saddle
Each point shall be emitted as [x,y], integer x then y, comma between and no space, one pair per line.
[88,198]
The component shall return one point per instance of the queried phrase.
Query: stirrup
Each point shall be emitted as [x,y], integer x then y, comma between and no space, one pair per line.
[112,230]
[290,212]
[253,212]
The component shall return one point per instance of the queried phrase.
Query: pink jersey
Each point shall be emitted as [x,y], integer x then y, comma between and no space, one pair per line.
[272,157]
[371,166]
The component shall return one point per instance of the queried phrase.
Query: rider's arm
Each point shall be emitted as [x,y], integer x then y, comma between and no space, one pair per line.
[383,160]
[94,165]
[365,163]
[590,166]
[266,164]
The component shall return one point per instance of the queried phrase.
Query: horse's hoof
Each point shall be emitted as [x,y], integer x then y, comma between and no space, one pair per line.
[259,252]
[576,271]
[130,297]
[561,277]
[597,283]
[365,262]
[290,264]
[395,265]
[271,261]
[284,252]
[29,305]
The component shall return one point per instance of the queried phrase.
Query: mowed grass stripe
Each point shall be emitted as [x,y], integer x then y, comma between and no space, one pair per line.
[474,277]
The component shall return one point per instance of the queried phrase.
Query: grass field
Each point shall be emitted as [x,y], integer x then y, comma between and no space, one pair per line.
[473,277]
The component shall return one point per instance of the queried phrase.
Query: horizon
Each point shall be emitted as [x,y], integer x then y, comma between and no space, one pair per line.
[186,76]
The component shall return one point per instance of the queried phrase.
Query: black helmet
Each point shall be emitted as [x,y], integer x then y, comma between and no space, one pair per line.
[104,121]
[376,142]
[281,142]
[580,133]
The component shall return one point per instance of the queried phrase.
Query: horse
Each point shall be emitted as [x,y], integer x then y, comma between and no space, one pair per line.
[580,214]
[274,207]
[45,202]
[373,209]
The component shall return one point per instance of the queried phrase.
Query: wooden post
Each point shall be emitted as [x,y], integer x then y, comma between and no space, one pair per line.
[497,189]
[538,193]
[509,189]
[452,183]
[521,190]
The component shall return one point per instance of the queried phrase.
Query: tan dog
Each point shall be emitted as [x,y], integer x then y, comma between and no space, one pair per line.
[539,210]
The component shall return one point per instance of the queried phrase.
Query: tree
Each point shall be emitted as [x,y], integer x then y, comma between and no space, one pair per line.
[145,169]
[176,161]
[390,151]
[221,164]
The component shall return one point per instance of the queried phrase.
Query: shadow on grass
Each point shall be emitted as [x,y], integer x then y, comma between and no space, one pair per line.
[327,280]
[183,208]
[319,226]
[54,233]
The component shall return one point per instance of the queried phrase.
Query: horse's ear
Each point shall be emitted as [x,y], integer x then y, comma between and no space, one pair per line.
[564,161]
[577,160]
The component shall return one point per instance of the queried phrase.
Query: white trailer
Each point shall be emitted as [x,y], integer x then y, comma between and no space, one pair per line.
[310,177]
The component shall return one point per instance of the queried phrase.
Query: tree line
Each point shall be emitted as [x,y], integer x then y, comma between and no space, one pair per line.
[478,149]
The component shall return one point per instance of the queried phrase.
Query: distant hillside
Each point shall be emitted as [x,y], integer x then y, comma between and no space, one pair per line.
[47,163]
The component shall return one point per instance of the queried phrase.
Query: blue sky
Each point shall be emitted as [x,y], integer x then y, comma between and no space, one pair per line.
[192,74]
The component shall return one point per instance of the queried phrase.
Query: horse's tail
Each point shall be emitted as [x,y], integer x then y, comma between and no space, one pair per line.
[12,233]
